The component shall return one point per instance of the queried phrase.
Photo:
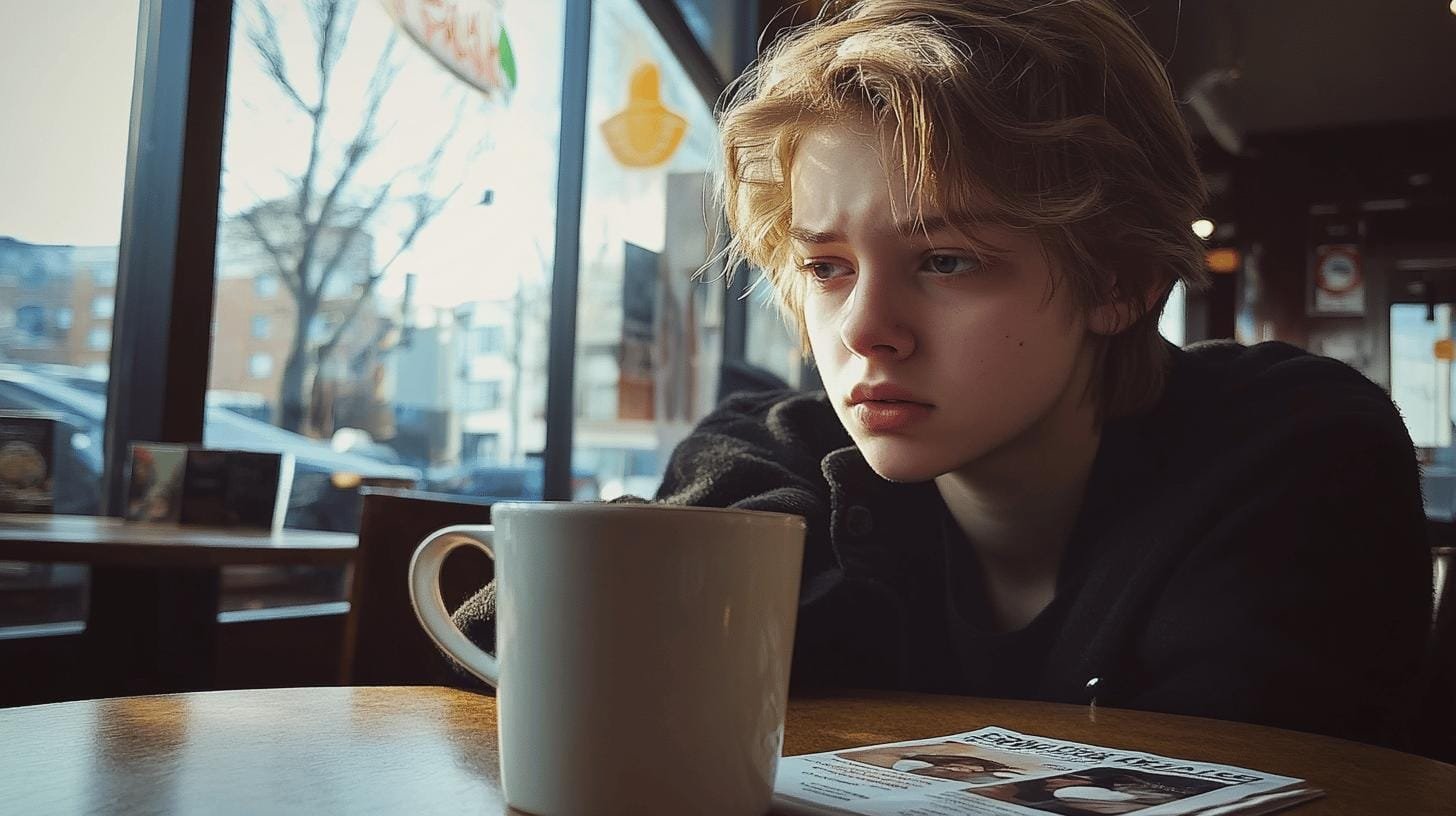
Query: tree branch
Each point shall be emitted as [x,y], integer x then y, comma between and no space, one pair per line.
[385,72]
[324,15]
[280,261]
[359,147]
[268,44]
[346,238]
[330,36]
[427,207]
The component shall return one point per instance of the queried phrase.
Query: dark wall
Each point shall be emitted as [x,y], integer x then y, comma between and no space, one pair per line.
[1397,182]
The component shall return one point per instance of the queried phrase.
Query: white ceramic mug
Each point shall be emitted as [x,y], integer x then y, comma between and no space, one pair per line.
[642,652]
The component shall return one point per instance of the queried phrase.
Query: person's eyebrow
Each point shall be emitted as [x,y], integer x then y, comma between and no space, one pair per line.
[927,225]
[804,235]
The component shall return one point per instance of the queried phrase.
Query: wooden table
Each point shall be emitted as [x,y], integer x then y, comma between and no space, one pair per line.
[418,750]
[153,603]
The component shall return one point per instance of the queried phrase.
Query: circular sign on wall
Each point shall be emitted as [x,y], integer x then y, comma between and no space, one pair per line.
[1339,280]
[1338,268]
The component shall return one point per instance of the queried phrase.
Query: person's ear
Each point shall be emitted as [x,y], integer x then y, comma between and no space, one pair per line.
[1118,311]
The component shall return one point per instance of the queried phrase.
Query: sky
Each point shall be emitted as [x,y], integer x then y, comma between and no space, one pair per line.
[65,108]
[470,251]
[63,141]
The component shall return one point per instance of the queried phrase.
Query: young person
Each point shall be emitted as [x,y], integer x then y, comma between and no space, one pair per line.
[974,211]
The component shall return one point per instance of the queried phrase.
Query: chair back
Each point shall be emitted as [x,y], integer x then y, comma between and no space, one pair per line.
[384,644]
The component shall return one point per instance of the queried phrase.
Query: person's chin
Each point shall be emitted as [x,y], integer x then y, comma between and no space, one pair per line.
[894,461]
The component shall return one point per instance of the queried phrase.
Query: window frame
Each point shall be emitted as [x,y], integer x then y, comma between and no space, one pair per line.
[168,224]
[170,215]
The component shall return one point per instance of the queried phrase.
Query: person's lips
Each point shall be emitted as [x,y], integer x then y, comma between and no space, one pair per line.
[885,408]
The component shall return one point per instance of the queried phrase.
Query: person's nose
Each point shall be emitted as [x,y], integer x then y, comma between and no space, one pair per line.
[875,321]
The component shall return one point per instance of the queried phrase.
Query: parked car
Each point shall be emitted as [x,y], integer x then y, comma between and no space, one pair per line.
[325,482]
[508,482]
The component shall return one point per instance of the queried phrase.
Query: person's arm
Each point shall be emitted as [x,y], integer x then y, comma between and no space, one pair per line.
[755,452]
[1306,604]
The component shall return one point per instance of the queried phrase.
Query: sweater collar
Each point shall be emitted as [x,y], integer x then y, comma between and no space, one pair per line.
[1126,473]
[875,523]
[1129,470]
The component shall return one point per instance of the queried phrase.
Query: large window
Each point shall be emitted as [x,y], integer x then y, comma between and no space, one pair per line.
[62,171]
[648,331]
[384,251]
[386,228]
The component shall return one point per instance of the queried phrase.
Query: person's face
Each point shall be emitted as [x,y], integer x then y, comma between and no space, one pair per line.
[932,357]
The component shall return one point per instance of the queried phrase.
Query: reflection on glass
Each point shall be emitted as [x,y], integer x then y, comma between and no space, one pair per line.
[383,254]
[772,343]
[1173,322]
[714,24]
[648,333]
[62,167]
[1421,351]
[1420,376]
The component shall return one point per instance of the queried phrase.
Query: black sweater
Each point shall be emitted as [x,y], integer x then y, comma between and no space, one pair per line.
[1250,549]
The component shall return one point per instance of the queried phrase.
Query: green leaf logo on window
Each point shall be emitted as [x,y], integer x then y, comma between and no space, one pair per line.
[507,59]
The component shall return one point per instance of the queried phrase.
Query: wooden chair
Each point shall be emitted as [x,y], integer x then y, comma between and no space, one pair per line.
[384,644]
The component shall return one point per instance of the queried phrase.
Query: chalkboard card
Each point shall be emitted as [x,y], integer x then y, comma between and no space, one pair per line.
[27,462]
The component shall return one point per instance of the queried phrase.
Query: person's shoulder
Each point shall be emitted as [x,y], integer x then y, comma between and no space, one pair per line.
[761,449]
[755,406]
[1275,403]
[1271,364]
[1278,383]
[786,417]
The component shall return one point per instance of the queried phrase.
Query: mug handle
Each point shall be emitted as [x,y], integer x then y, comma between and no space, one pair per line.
[424,587]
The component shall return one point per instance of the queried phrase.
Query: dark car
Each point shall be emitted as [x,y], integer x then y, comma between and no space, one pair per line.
[508,482]
[325,481]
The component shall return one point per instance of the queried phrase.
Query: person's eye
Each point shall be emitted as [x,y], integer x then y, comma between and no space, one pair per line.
[823,270]
[950,264]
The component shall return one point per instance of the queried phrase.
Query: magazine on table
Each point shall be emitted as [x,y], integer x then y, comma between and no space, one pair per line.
[999,772]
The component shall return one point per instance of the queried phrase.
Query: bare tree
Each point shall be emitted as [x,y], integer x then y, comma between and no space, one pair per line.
[312,235]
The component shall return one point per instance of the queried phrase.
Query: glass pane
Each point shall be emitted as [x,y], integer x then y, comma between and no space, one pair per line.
[384,254]
[700,17]
[1420,377]
[771,345]
[648,333]
[62,167]
[1422,387]
[1173,322]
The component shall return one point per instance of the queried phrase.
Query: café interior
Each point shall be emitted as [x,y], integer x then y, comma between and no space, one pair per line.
[389,269]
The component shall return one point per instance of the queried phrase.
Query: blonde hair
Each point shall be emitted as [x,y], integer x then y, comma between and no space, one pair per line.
[1054,116]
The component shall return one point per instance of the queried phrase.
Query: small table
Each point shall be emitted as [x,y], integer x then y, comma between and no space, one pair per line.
[433,750]
[152,618]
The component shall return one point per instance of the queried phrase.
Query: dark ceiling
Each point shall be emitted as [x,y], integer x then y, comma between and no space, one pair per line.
[1312,64]
[1302,64]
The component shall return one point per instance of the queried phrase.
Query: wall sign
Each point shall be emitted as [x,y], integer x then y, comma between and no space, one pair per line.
[466,36]
[1339,280]
[646,133]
